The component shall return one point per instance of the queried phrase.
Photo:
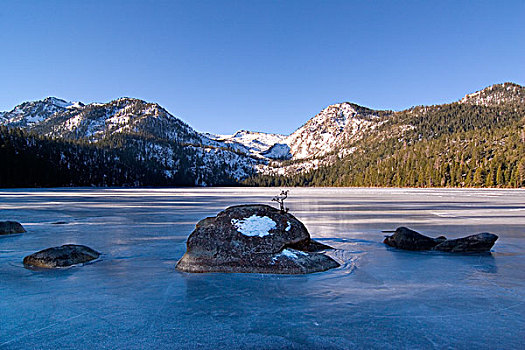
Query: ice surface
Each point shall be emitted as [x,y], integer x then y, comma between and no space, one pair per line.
[254,225]
[133,297]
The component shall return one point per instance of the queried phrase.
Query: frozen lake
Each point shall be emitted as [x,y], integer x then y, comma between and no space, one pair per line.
[380,298]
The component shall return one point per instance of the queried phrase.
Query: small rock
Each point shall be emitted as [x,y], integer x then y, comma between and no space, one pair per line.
[482,242]
[405,238]
[66,255]
[253,238]
[10,227]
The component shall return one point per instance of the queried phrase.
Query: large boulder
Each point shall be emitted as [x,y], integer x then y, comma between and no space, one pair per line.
[63,256]
[405,238]
[10,227]
[482,242]
[253,238]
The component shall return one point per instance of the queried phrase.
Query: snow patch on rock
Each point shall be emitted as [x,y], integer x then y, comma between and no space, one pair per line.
[254,225]
[290,253]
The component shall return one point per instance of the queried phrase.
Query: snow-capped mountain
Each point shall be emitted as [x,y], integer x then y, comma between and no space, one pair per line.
[125,115]
[95,121]
[28,114]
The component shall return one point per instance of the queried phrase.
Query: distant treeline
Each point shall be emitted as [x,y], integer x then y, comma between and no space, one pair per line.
[31,160]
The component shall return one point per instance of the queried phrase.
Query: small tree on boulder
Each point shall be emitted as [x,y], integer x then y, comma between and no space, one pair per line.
[280,199]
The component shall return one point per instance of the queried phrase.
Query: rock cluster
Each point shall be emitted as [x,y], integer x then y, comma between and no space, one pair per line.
[253,238]
[405,238]
[63,256]
[10,227]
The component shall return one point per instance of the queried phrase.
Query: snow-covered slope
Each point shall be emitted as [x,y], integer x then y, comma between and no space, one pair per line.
[95,121]
[279,151]
[334,127]
[125,115]
[28,114]
[497,94]
[254,142]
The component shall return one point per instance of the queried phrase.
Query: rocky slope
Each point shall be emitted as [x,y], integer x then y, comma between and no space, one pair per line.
[331,129]
[29,114]
[496,95]
[95,121]
[253,142]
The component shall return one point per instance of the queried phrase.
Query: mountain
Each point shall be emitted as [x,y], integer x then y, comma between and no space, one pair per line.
[252,142]
[28,114]
[344,144]
[143,129]
[477,141]
[57,118]
[496,95]
[331,129]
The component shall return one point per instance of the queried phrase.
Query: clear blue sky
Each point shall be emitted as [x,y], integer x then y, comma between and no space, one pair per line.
[260,65]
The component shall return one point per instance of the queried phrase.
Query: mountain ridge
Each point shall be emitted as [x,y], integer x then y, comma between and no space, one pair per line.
[332,135]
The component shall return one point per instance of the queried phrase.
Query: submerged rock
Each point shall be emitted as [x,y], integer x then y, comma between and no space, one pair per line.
[66,255]
[405,238]
[10,227]
[253,238]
